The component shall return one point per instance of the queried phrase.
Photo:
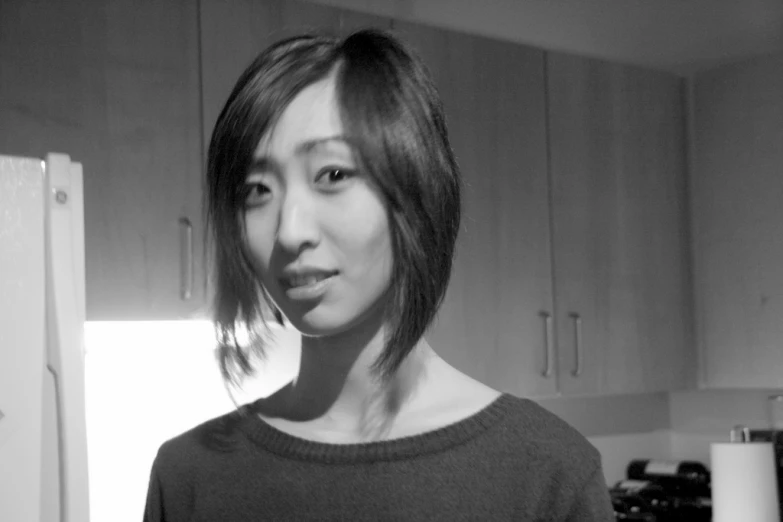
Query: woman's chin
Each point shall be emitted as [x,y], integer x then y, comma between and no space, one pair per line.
[330,319]
[315,324]
[312,325]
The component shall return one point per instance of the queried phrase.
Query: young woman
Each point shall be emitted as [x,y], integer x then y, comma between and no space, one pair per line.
[334,201]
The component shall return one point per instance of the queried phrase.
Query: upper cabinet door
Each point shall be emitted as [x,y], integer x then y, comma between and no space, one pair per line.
[143,214]
[493,324]
[115,85]
[234,33]
[620,266]
[737,217]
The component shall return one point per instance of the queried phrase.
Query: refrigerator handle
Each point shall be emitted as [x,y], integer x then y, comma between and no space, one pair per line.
[65,316]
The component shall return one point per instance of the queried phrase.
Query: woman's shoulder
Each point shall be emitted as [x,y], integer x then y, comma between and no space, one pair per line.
[523,427]
[537,431]
[553,462]
[217,436]
[536,419]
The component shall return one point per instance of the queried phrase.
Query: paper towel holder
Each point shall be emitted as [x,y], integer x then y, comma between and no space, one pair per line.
[739,433]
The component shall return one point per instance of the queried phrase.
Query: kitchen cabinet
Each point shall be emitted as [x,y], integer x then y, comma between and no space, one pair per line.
[621,279]
[115,85]
[574,225]
[736,193]
[493,324]
[233,33]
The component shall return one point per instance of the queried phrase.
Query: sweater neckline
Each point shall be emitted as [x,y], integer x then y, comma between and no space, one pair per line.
[284,444]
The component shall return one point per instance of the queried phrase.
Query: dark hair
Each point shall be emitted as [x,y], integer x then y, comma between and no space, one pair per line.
[393,118]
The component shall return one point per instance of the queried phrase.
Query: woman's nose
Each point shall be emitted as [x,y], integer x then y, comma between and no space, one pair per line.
[298,224]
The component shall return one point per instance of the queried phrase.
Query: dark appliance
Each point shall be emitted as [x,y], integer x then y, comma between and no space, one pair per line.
[776,438]
[663,491]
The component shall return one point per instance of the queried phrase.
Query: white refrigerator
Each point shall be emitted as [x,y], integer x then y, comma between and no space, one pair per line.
[43,442]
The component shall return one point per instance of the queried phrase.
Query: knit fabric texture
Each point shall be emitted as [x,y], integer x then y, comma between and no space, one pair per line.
[513,460]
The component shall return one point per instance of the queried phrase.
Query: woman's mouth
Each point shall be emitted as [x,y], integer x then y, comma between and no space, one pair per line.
[307,286]
[305,280]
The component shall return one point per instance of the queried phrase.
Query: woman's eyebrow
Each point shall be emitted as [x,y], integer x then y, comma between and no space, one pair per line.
[267,163]
[308,146]
[261,164]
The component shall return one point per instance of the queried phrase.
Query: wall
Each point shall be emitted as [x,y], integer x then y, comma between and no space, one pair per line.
[146,382]
[699,418]
[618,450]
[677,425]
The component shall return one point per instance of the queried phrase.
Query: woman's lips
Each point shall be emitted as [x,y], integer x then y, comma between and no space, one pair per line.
[304,287]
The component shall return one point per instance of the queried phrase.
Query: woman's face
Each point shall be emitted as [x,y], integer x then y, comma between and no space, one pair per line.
[317,230]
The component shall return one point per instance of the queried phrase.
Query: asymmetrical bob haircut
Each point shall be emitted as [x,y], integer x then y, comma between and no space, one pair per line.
[393,120]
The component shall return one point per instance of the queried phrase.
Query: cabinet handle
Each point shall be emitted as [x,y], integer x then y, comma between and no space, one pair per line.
[547,372]
[185,258]
[577,371]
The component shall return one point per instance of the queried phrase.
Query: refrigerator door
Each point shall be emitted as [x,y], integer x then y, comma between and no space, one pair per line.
[22,336]
[43,445]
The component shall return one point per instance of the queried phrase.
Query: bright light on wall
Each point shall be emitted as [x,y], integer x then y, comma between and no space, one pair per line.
[149,381]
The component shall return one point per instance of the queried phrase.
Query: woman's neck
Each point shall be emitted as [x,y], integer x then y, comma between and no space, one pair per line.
[336,391]
[338,381]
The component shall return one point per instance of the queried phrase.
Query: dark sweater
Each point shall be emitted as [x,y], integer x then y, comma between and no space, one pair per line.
[513,460]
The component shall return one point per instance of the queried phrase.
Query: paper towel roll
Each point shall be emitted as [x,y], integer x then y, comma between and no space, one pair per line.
[744,484]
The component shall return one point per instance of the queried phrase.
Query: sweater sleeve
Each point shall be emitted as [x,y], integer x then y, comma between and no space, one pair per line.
[153,510]
[593,503]
[169,494]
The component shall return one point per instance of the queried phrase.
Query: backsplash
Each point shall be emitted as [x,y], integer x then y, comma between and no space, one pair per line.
[701,417]
[618,450]
[678,425]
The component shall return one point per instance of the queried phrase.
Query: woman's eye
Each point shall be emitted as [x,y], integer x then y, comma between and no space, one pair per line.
[333,175]
[256,193]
